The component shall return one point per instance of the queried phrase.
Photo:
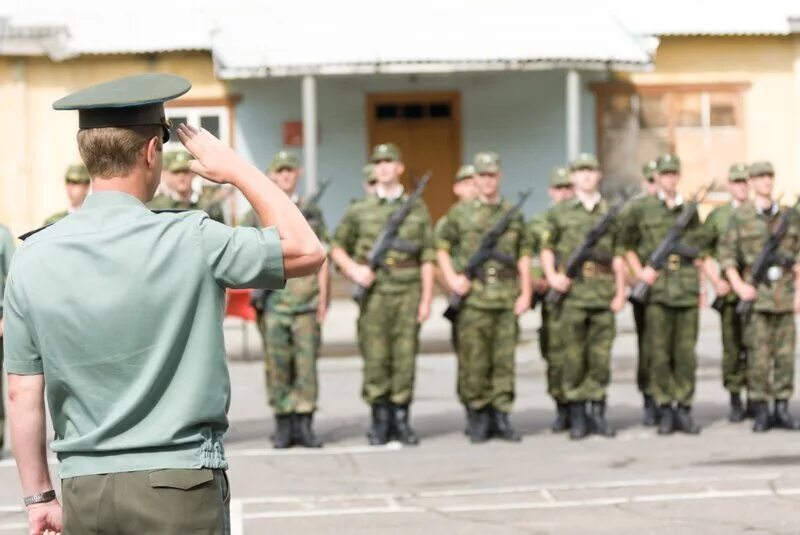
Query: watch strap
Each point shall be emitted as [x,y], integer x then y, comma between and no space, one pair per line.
[40,497]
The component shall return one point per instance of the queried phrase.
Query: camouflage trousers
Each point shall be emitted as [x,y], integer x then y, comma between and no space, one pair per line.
[586,338]
[551,347]
[388,337]
[671,335]
[487,341]
[291,345]
[642,362]
[770,340]
[734,361]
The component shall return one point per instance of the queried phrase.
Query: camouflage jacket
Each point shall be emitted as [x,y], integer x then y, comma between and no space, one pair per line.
[461,235]
[643,224]
[565,228]
[534,228]
[207,201]
[300,294]
[363,222]
[715,225]
[744,239]
[55,218]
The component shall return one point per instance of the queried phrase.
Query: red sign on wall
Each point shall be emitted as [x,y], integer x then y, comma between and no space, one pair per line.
[293,134]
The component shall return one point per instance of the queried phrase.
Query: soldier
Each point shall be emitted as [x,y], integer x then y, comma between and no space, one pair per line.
[769,331]
[487,326]
[642,361]
[76,184]
[734,358]
[6,252]
[671,314]
[178,192]
[585,319]
[399,298]
[139,398]
[560,189]
[290,322]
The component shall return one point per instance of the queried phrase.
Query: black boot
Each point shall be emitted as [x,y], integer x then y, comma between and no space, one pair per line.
[684,421]
[282,438]
[577,419]
[502,427]
[597,420]
[561,423]
[761,421]
[749,409]
[304,431]
[737,410]
[783,418]
[480,425]
[402,429]
[666,420]
[649,419]
[378,433]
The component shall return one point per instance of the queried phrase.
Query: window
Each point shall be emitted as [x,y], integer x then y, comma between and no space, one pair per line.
[412,111]
[215,119]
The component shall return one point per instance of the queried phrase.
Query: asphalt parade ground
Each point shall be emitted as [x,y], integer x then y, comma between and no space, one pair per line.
[726,480]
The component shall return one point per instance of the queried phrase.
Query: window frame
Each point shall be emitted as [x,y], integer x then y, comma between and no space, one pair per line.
[193,109]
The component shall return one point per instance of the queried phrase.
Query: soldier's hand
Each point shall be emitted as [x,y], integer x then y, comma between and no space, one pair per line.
[746,292]
[722,288]
[561,283]
[796,302]
[44,518]
[461,285]
[214,160]
[362,275]
[649,276]
[702,300]
[618,303]
[423,312]
[522,304]
[322,311]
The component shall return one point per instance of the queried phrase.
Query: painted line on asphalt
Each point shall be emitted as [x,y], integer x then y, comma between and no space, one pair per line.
[18,525]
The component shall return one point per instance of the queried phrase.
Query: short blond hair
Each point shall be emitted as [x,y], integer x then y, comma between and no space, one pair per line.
[112,151]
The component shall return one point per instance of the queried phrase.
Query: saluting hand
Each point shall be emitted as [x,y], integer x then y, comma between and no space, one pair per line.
[214,160]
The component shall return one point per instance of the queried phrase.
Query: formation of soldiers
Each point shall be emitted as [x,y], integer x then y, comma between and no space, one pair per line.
[578,261]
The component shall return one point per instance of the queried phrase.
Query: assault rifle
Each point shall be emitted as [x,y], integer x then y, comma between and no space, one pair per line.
[767,258]
[671,244]
[485,252]
[386,239]
[584,251]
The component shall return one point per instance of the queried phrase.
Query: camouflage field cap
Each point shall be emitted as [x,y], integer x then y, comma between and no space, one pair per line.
[487,163]
[761,168]
[284,160]
[584,161]
[77,174]
[386,151]
[465,172]
[738,172]
[668,163]
[131,101]
[179,162]
[369,172]
[648,169]
[559,177]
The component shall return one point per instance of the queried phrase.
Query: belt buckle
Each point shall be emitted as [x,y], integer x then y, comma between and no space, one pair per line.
[390,262]
[491,275]
[589,269]
[674,262]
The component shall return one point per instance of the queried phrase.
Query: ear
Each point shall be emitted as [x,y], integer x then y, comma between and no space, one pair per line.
[401,168]
[151,151]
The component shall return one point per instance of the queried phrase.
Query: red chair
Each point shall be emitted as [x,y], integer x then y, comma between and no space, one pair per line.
[238,306]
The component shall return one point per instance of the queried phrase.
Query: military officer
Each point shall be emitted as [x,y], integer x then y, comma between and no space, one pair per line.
[642,361]
[6,252]
[118,312]
[179,191]
[76,184]
[585,319]
[399,297]
[734,358]
[671,313]
[290,323]
[769,331]
[487,324]
[559,189]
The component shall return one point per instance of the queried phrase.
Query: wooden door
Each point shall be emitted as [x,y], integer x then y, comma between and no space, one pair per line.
[426,127]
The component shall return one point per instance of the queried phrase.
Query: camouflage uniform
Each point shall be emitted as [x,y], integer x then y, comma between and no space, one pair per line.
[671,313]
[769,334]
[207,199]
[387,323]
[6,252]
[76,174]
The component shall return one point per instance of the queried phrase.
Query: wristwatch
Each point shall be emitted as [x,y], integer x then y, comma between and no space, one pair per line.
[40,497]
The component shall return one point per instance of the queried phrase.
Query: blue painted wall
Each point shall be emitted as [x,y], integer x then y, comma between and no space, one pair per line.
[522,116]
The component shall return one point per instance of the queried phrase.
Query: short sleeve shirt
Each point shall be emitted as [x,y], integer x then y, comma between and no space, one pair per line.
[121,309]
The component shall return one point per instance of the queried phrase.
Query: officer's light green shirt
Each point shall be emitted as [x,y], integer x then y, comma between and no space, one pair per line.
[122,310]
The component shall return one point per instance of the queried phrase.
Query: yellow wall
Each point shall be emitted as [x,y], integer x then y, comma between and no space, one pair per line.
[771,104]
[37,143]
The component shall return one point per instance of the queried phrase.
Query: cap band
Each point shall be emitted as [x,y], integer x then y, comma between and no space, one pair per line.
[150,114]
